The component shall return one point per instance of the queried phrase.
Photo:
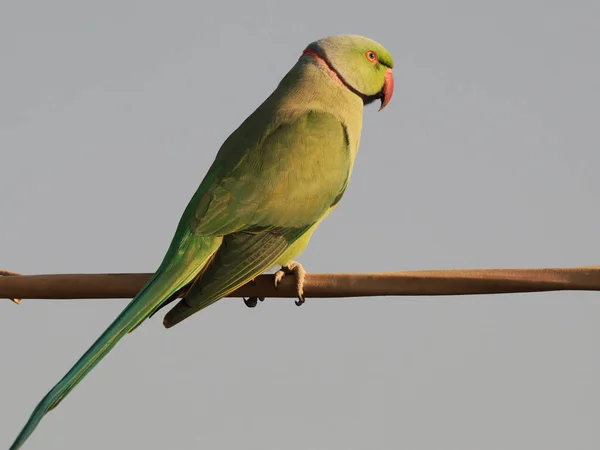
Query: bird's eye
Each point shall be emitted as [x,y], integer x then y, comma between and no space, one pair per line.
[371,56]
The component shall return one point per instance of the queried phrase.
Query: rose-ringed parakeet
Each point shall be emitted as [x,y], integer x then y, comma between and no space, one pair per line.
[274,179]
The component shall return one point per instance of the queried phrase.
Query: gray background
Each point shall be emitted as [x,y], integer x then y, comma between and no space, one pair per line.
[110,114]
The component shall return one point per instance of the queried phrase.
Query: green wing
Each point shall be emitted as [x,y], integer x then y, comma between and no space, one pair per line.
[269,199]
[241,257]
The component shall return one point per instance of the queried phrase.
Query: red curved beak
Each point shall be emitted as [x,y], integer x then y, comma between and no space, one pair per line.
[388,89]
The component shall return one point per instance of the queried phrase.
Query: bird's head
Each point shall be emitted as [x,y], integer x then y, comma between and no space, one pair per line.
[361,64]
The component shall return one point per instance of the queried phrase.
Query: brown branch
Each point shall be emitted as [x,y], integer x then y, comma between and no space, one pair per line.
[429,282]
[8,273]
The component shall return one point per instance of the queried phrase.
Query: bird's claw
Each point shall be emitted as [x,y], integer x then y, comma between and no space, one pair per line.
[251,302]
[8,273]
[299,272]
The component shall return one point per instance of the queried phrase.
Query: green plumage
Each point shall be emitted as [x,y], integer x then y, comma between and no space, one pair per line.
[263,215]
[273,180]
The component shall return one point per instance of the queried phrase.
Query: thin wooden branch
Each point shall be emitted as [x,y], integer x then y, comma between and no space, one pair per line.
[427,282]
[8,273]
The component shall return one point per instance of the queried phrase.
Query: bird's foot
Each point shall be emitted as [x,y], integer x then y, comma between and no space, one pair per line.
[299,272]
[251,302]
[10,274]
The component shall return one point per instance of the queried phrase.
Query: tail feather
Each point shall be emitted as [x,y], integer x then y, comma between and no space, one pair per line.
[161,286]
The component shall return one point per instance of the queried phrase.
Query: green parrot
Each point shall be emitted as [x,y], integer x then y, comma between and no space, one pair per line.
[274,179]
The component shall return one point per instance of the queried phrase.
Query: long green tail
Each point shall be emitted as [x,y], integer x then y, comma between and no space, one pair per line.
[160,287]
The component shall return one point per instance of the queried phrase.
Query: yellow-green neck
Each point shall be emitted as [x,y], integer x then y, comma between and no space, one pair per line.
[309,86]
